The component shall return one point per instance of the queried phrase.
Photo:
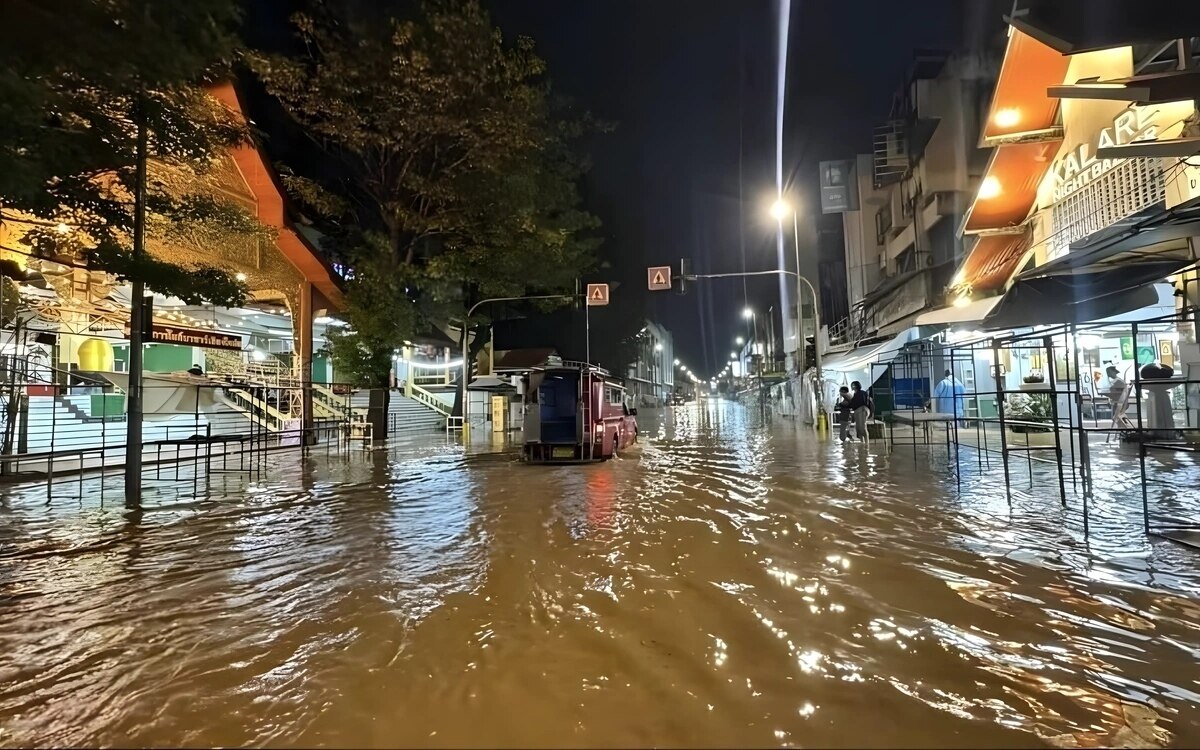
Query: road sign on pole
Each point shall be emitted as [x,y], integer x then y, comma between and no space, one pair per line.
[658,278]
[597,295]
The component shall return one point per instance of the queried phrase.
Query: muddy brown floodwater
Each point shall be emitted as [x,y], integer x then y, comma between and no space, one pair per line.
[726,584]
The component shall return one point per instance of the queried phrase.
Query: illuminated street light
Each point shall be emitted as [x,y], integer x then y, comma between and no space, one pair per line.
[780,209]
[740,340]
[747,313]
[658,347]
[733,355]
[677,363]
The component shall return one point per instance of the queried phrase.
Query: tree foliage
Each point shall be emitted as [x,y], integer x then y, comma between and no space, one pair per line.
[78,77]
[456,173]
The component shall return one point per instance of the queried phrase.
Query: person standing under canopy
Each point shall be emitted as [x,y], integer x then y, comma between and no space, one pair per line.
[948,396]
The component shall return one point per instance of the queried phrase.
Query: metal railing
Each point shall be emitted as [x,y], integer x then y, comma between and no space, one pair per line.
[423,396]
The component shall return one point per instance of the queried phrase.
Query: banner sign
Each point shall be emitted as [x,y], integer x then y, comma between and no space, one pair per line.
[839,187]
[194,337]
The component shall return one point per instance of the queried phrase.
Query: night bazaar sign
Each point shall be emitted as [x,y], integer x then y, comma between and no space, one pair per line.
[1080,167]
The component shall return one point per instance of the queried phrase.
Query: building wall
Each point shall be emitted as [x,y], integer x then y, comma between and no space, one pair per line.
[858,228]
[1111,189]
[652,374]
[926,207]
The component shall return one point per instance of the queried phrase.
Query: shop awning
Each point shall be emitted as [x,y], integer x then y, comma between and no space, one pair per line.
[1021,109]
[1079,297]
[1010,185]
[855,364]
[1145,88]
[948,316]
[991,263]
[1159,236]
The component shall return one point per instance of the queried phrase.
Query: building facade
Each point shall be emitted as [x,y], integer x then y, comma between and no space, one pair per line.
[910,194]
[651,378]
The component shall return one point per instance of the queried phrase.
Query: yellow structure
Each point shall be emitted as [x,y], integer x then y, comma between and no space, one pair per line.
[95,355]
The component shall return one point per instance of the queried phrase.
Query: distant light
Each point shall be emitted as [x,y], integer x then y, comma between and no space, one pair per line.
[747,313]
[1007,117]
[733,355]
[62,228]
[962,300]
[740,340]
[240,277]
[677,363]
[989,188]
[658,347]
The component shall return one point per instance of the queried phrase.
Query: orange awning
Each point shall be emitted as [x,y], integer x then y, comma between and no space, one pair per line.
[270,203]
[1009,187]
[1021,106]
[992,262]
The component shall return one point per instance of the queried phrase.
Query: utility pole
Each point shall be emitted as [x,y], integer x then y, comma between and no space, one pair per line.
[133,418]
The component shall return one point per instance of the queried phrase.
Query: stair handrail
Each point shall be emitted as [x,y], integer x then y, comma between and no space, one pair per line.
[276,418]
[428,399]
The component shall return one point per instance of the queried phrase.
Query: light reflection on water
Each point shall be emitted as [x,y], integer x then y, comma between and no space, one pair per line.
[726,583]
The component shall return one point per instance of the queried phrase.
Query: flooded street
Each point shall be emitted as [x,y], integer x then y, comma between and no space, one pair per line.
[724,584]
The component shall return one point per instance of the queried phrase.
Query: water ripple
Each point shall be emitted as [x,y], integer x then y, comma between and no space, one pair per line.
[726,583]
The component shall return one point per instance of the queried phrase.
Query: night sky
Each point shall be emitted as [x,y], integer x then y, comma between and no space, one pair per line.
[690,84]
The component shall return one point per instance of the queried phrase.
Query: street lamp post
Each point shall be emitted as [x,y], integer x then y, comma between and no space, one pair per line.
[780,210]
[466,369]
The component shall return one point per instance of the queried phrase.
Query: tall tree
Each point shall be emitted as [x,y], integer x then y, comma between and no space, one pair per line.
[455,163]
[101,114]
[78,78]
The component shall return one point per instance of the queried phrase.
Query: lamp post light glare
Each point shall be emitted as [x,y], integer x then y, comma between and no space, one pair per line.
[677,363]
[740,340]
[747,313]
[780,210]
[658,347]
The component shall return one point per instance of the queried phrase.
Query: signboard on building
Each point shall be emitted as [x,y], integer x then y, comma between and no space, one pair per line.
[1078,167]
[163,334]
[839,187]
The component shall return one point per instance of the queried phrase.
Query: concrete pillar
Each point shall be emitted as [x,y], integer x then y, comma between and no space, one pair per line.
[303,326]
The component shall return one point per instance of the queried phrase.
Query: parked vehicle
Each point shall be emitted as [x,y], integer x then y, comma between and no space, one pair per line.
[575,413]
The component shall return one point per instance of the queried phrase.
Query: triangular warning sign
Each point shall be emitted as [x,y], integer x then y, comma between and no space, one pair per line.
[658,278]
[598,293]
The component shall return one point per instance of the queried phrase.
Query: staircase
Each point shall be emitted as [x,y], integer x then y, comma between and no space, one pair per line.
[58,423]
[405,415]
